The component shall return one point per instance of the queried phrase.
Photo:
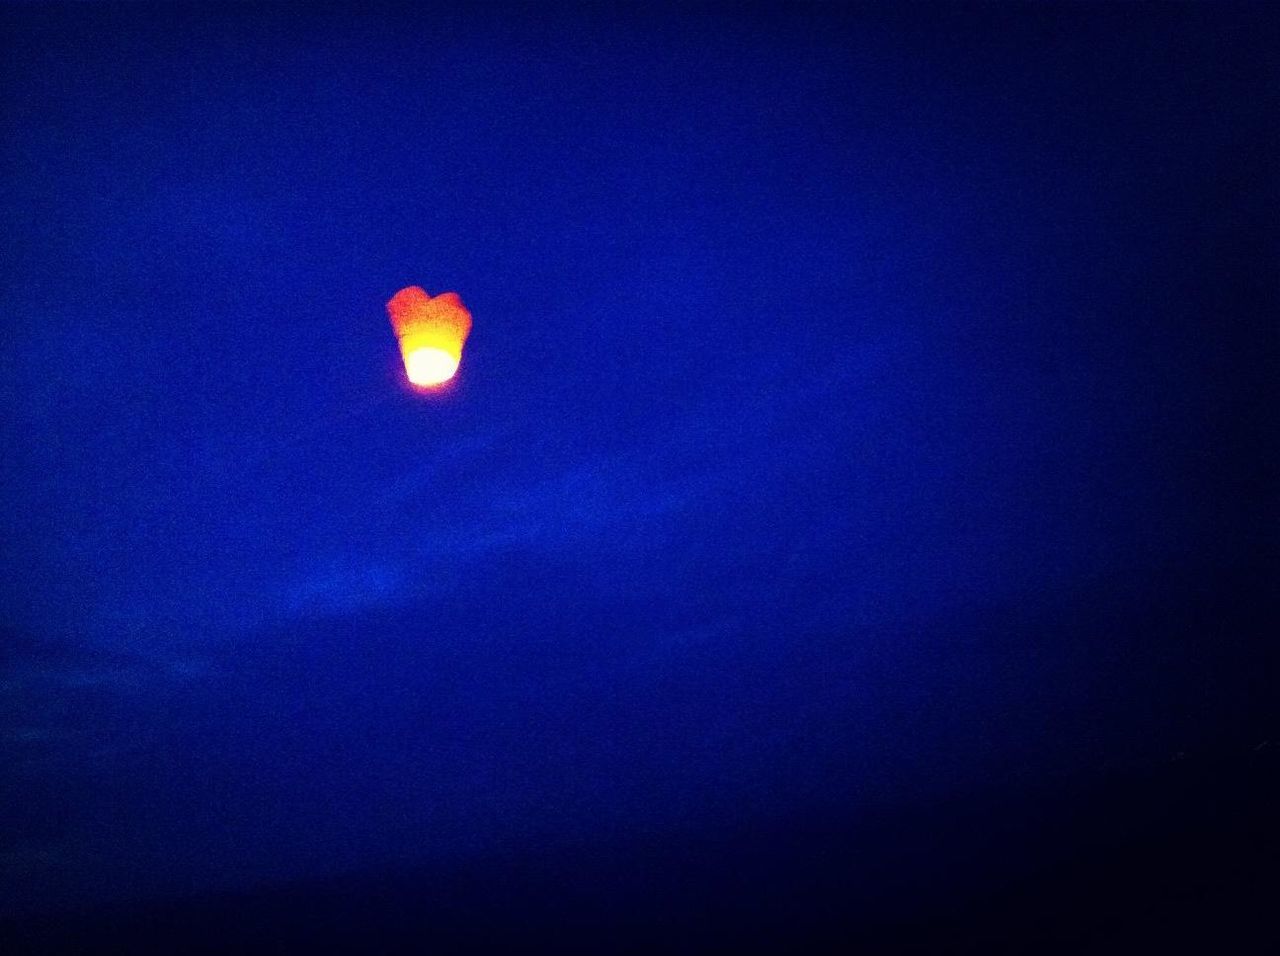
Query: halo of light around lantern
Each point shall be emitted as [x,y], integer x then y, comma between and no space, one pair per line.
[431,333]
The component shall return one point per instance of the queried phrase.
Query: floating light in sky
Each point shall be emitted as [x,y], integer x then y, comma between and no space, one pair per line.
[431,333]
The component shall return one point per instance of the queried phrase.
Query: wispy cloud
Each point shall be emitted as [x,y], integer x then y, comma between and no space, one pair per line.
[590,505]
[342,585]
[590,502]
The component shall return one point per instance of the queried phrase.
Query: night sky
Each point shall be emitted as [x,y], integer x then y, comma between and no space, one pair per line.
[868,428]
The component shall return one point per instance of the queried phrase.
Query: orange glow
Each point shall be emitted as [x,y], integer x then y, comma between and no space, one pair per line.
[431,333]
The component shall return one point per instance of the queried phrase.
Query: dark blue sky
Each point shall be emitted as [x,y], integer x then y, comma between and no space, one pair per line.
[853,397]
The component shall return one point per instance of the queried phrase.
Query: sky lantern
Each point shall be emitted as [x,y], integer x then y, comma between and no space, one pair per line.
[431,332]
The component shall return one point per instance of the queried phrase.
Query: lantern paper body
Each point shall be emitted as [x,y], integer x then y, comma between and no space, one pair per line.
[431,333]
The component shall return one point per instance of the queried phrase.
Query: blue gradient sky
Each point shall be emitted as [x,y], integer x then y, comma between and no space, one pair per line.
[798,339]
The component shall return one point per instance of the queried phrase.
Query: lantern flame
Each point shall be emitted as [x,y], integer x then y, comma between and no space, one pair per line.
[431,333]
[427,366]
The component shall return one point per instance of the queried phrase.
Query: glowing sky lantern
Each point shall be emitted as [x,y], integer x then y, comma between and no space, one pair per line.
[431,333]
